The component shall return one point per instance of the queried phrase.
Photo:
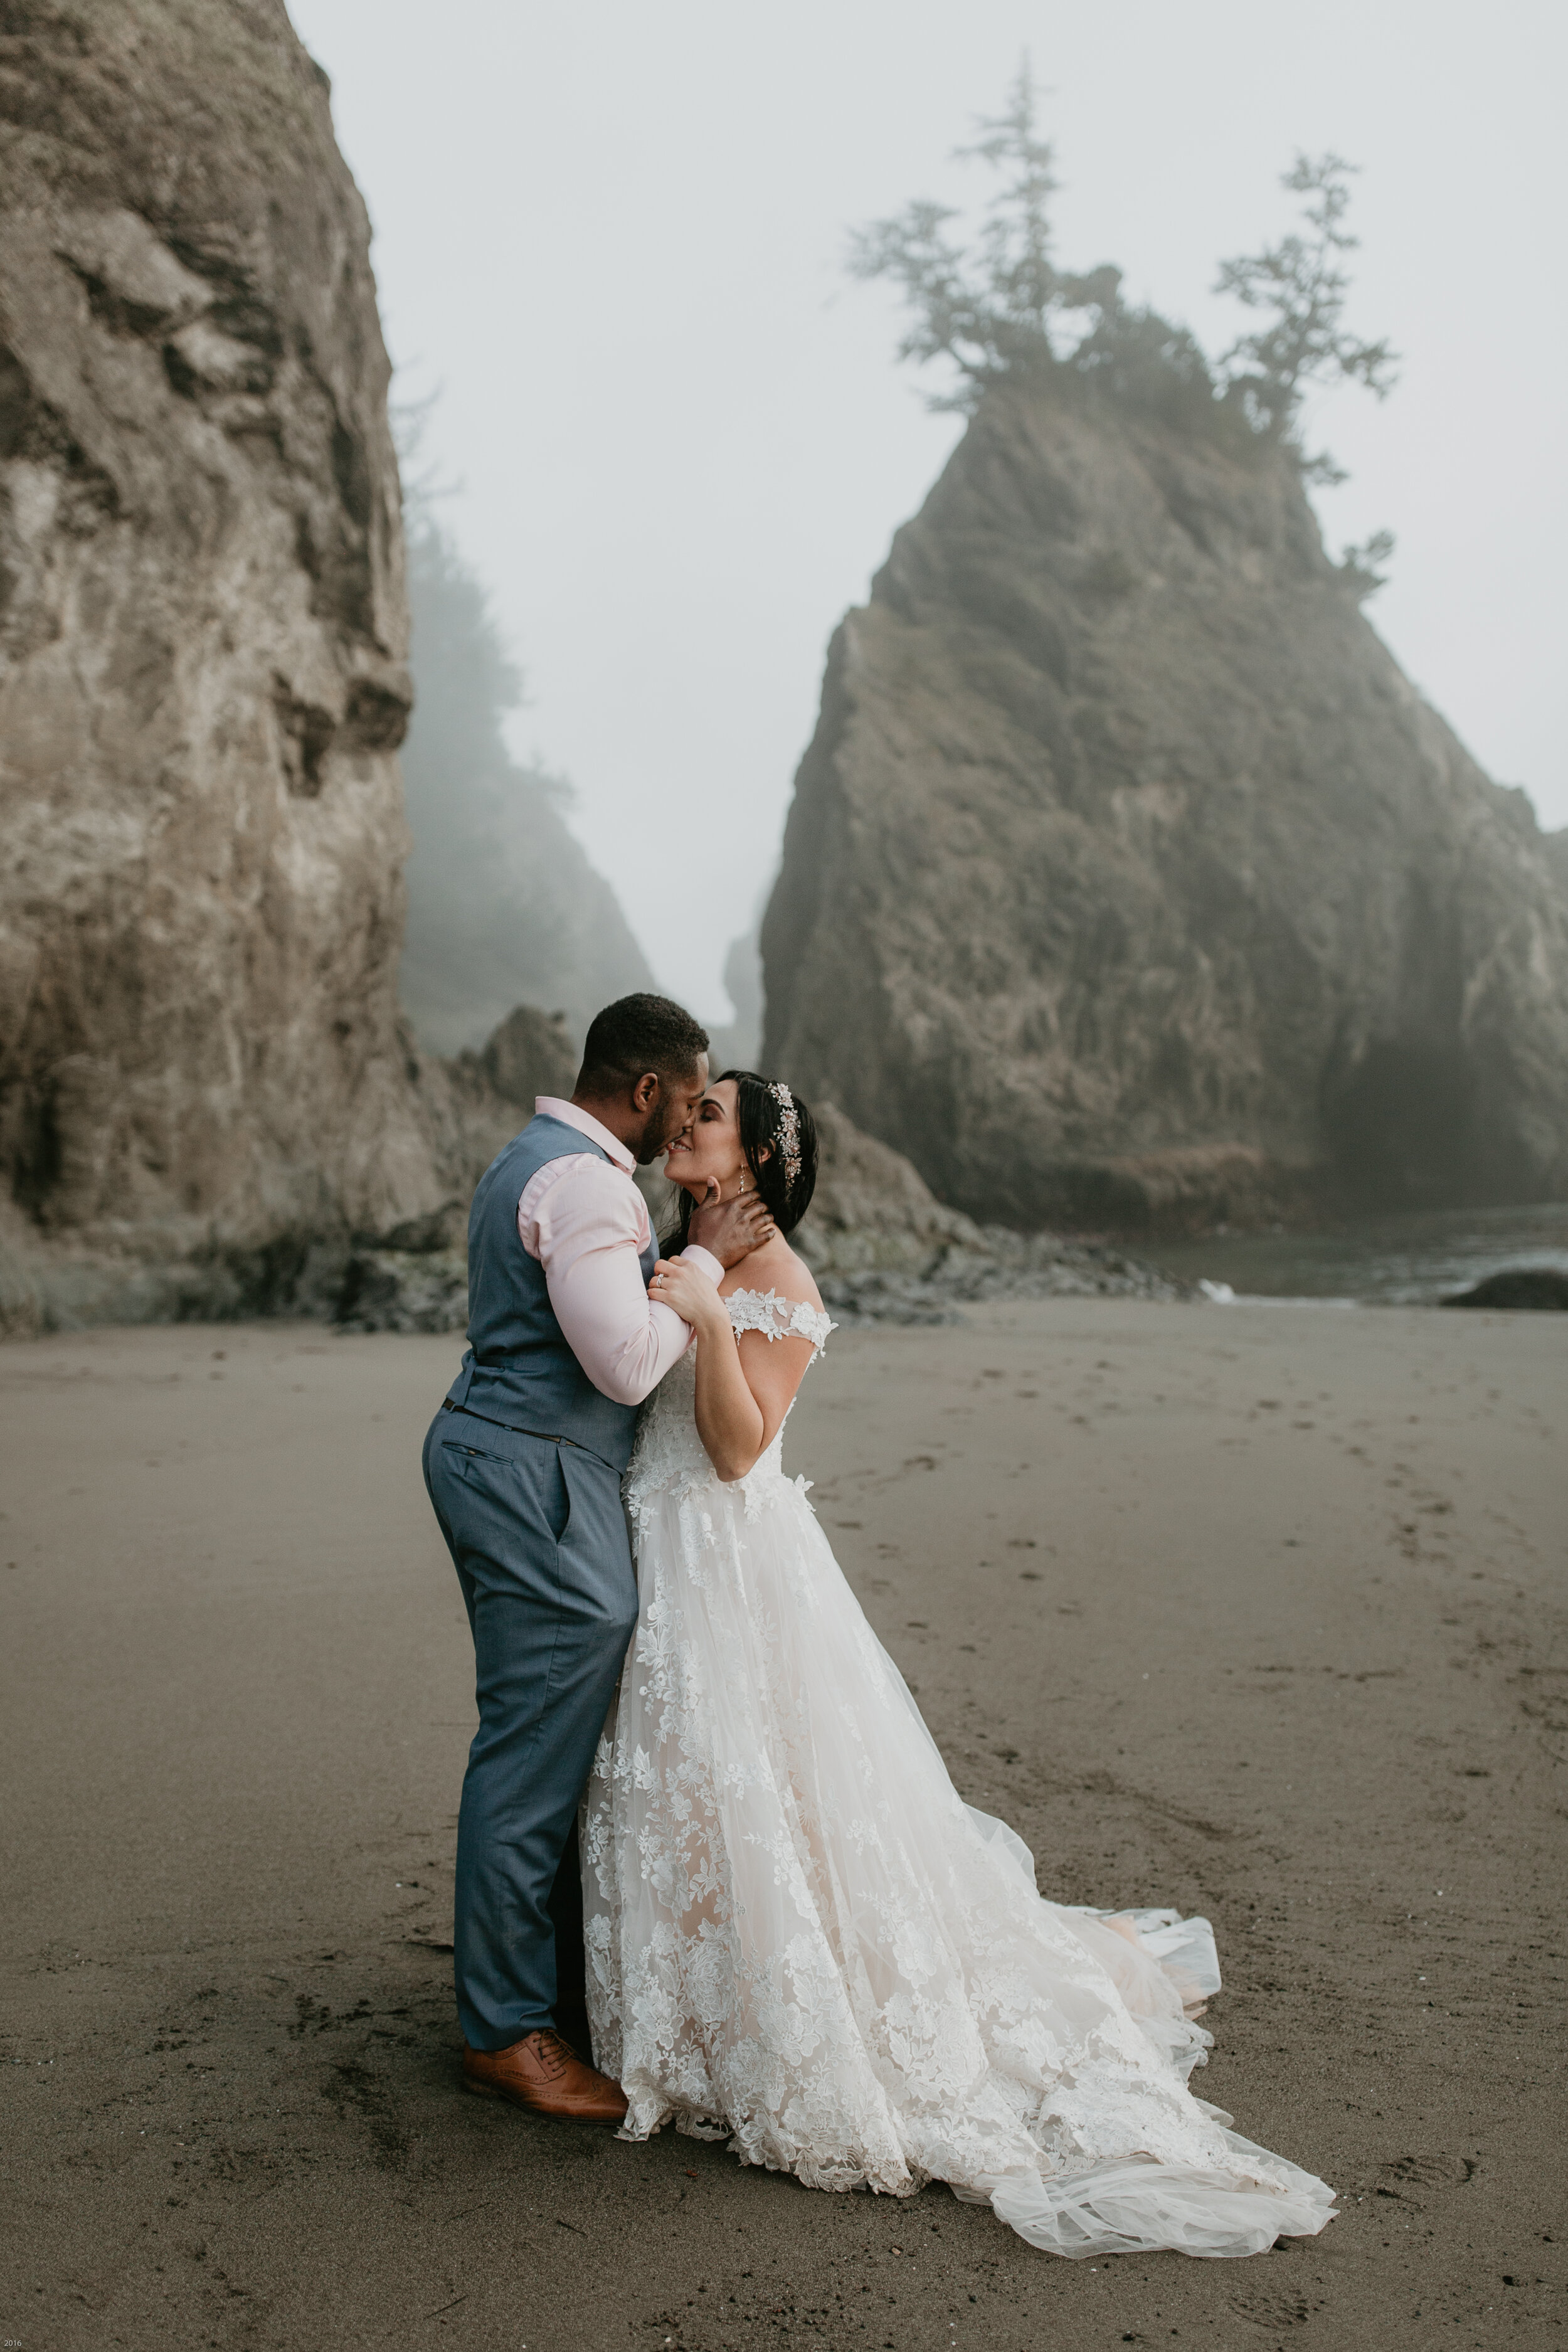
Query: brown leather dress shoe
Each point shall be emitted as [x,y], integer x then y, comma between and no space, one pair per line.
[544,2073]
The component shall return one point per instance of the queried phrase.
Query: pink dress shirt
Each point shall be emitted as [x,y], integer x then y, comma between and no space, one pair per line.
[584,1221]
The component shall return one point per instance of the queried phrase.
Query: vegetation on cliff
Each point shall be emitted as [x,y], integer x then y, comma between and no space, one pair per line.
[997,305]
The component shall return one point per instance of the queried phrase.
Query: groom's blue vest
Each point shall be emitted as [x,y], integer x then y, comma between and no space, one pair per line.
[519,1369]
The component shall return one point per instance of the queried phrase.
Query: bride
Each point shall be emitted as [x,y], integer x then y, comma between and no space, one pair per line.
[799,1938]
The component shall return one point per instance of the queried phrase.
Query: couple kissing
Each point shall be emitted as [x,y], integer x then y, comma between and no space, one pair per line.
[700,1788]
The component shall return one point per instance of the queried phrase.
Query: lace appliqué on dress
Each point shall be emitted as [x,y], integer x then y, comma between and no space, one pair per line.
[801,1938]
[780,1319]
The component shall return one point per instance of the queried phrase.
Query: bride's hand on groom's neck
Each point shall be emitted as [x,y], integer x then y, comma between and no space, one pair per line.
[731,1229]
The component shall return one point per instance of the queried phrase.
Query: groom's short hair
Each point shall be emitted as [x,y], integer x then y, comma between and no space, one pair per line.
[638,1033]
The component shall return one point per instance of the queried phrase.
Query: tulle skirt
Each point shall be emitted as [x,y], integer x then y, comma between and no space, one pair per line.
[801,1940]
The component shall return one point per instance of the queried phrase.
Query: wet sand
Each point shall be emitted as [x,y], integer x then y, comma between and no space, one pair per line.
[1258,1610]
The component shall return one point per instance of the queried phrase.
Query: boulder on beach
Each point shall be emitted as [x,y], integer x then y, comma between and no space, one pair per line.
[1518,1288]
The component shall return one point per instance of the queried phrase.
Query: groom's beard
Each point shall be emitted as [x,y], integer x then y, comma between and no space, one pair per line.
[645,1147]
[653,1142]
[661,1128]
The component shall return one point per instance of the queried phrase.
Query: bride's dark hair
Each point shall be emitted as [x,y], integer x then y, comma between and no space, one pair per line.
[771,1120]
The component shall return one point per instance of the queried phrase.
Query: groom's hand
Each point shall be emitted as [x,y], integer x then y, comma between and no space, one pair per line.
[731,1229]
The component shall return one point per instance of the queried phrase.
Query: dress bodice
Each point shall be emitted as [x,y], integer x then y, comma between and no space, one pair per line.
[667,1448]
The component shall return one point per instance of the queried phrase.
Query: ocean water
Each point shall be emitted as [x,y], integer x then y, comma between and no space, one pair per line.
[1405,1261]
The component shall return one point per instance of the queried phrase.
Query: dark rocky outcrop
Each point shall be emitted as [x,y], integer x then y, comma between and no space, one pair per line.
[202,664]
[1541,1289]
[1129,881]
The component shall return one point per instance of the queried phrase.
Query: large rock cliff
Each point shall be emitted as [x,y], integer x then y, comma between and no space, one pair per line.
[1128,880]
[202,645]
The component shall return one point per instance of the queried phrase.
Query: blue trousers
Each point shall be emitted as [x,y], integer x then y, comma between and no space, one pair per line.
[539,1541]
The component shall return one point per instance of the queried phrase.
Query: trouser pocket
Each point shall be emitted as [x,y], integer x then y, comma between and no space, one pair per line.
[528,1487]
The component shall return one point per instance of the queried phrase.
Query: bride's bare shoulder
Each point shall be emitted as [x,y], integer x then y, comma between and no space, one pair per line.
[775,1267]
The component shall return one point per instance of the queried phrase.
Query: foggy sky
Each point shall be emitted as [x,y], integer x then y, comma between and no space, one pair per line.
[615,235]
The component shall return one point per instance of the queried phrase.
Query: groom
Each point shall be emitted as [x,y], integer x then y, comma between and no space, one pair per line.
[524,1464]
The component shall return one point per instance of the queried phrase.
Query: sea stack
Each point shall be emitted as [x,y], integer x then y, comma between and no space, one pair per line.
[203,629]
[1128,880]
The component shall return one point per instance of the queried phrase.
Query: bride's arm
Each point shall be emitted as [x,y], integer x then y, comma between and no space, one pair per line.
[744,1387]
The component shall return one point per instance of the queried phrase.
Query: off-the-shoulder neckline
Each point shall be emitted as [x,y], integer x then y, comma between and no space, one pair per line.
[775,1297]
[786,1308]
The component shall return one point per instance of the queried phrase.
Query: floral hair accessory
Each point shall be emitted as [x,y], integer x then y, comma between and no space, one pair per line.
[789,1129]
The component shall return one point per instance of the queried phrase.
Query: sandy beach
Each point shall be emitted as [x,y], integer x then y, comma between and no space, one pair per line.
[1256,1610]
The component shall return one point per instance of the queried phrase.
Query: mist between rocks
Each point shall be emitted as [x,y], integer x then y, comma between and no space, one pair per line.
[504,905]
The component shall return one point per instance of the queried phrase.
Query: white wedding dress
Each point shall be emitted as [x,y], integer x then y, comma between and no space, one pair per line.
[801,1940]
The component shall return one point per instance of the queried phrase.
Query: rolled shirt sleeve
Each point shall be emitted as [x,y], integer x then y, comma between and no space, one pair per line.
[587,1224]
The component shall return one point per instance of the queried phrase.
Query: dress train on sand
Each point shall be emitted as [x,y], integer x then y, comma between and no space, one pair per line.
[801,1940]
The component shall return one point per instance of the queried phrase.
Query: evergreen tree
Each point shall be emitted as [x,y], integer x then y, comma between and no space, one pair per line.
[998,305]
[1300,286]
[993,305]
